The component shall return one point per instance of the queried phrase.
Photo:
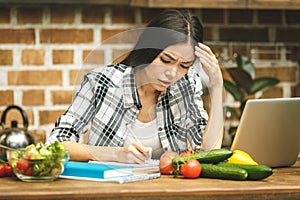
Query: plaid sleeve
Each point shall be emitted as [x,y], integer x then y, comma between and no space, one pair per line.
[74,121]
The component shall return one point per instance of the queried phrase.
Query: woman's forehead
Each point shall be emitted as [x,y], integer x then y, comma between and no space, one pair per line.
[184,51]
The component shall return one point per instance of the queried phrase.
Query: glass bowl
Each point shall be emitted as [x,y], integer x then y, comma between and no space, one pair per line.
[43,169]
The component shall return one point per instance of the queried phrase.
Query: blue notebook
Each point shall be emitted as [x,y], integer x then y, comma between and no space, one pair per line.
[95,170]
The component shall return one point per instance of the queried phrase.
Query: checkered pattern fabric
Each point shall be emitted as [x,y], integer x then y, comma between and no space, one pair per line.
[108,102]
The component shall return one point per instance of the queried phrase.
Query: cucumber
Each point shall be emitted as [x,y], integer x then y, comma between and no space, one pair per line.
[214,156]
[255,172]
[211,156]
[223,172]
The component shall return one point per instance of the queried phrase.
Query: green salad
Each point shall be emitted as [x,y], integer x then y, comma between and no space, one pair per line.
[39,160]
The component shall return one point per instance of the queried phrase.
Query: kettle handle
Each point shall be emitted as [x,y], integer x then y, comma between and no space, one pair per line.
[24,116]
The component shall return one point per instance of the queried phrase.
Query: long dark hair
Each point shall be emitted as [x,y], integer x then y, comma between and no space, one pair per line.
[169,28]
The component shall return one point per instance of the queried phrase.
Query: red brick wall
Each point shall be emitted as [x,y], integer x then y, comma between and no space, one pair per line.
[43,47]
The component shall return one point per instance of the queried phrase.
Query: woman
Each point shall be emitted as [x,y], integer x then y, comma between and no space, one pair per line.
[150,102]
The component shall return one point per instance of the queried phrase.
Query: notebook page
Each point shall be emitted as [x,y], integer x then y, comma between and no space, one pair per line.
[151,163]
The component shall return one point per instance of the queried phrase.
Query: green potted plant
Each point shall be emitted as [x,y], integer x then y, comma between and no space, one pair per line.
[244,85]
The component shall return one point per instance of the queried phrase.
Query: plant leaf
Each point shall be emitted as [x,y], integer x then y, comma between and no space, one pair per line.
[245,63]
[241,77]
[263,83]
[234,90]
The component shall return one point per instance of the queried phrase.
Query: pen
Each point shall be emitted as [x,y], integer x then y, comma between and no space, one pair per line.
[139,146]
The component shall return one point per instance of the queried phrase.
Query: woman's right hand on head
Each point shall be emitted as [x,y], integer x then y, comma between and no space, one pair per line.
[134,153]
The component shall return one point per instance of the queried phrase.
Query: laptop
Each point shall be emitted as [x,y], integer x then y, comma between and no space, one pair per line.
[269,131]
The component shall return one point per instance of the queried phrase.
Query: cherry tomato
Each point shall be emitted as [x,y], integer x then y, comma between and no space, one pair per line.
[28,172]
[2,170]
[191,169]
[165,163]
[186,153]
[8,170]
[23,164]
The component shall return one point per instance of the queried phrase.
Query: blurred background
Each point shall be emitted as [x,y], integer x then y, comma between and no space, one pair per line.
[44,45]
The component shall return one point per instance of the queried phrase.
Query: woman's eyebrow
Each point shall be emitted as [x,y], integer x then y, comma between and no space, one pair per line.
[169,56]
[188,62]
[172,58]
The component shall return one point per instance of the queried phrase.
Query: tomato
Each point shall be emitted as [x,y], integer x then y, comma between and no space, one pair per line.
[191,169]
[186,153]
[23,164]
[28,172]
[8,170]
[165,162]
[2,170]
[27,157]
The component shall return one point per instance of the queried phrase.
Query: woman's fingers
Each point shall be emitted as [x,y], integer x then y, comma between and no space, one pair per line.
[205,54]
[146,151]
[207,59]
[210,63]
[135,153]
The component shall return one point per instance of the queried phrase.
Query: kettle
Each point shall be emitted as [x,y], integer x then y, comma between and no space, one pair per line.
[14,137]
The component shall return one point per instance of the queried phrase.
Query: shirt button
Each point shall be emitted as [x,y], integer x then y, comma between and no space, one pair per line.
[160,128]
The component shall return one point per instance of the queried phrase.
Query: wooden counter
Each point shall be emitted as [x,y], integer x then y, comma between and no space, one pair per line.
[283,184]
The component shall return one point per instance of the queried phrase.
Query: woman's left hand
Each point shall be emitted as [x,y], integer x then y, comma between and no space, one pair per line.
[210,64]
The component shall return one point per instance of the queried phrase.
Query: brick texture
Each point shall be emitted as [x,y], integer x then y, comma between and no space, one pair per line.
[71,36]
[207,34]
[33,97]
[295,91]
[93,57]
[212,16]
[38,135]
[293,16]
[148,14]
[62,56]
[17,36]
[288,35]
[269,16]
[4,15]
[115,36]
[119,54]
[61,97]
[30,15]
[107,34]
[33,56]
[49,116]
[282,73]
[9,97]
[92,14]
[240,16]
[50,77]
[122,15]
[61,14]
[275,92]
[244,34]
[76,76]
[266,53]
[6,57]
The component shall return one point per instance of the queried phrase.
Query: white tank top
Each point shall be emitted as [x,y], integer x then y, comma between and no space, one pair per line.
[147,134]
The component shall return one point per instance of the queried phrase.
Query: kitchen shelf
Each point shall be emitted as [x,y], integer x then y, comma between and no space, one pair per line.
[212,4]
[242,4]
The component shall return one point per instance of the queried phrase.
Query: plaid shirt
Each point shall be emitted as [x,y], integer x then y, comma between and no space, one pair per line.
[108,98]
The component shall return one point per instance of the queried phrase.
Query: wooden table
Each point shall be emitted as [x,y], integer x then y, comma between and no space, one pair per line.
[283,184]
